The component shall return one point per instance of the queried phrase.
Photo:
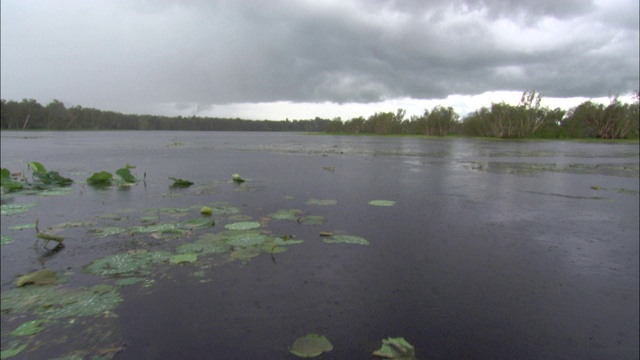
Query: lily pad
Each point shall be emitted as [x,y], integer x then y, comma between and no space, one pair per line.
[12,352]
[236,178]
[180,183]
[382,202]
[346,239]
[310,345]
[126,263]
[14,209]
[5,239]
[312,220]
[40,277]
[109,230]
[243,225]
[396,348]
[57,302]
[244,254]
[100,178]
[125,175]
[29,328]
[129,281]
[291,214]
[183,258]
[321,202]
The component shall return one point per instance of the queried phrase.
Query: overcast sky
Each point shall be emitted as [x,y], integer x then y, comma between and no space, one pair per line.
[297,59]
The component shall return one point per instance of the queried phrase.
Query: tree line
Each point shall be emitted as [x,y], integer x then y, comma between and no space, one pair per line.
[528,119]
[28,114]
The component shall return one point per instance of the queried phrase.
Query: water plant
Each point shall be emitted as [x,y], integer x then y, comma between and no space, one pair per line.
[310,345]
[396,348]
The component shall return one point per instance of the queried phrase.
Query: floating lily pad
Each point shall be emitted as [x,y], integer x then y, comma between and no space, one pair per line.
[125,175]
[29,328]
[246,239]
[396,348]
[100,178]
[40,277]
[126,264]
[321,202]
[152,228]
[311,220]
[183,258]
[57,302]
[109,230]
[5,239]
[129,281]
[207,244]
[239,217]
[346,239]
[236,178]
[14,209]
[291,214]
[223,209]
[243,225]
[382,203]
[180,183]
[12,352]
[310,345]
[244,254]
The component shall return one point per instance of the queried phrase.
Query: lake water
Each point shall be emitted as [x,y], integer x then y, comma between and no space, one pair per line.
[491,249]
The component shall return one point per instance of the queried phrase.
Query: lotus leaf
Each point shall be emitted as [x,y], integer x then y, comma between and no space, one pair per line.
[310,345]
[382,203]
[29,328]
[14,209]
[247,240]
[7,183]
[183,258]
[52,177]
[243,225]
[321,202]
[126,264]
[37,167]
[244,254]
[5,239]
[100,178]
[207,244]
[311,220]
[223,209]
[125,175]
[152,228]
[57,302]
[40,277]
[12,352]
[180,183]
[292,214]
[396,348]
[129,281]
[347,239]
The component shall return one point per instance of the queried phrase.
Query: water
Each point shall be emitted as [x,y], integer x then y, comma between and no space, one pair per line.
[493,249]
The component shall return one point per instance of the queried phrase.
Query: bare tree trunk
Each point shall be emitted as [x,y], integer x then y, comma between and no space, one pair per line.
[24,125]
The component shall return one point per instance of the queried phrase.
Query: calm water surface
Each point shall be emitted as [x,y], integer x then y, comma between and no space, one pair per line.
[493,249]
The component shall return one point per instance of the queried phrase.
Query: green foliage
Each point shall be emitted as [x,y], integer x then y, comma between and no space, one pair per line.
[100,178]
[125,175]
[180,183]
[7,183]
[614,121]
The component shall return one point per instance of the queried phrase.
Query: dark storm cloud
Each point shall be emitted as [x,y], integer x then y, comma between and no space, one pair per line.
[217,52]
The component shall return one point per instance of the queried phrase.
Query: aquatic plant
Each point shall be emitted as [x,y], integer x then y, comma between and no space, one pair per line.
[310,345]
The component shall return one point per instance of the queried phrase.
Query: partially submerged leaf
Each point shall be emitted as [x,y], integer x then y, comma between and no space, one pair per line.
[347,239]
[52,177]
[382,202]
[396,348]
[180,183]
[183,258]
[196,223]
[310,345]
[40,277]
[236,178]
[29,328]
[5,239]
[37,167]
[125,175]
[100,178]
[243,225]
[12,352]
[321,202]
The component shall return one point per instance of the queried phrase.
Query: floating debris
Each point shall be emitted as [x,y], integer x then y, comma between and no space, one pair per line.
[321,202]
[346,239]
[382,202]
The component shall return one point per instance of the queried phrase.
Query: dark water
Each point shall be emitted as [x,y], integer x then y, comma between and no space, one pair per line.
[494,249]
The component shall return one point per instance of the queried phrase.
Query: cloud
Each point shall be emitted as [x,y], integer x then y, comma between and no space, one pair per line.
[131,55]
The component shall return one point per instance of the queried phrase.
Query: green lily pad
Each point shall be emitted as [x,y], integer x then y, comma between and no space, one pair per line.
[126,263]
[57,302]
[312,220]
[29,328]
[5,239]
[243,225]
[100,178]
[14,209]
[207,244]
[40,277]
[183,258]
[12,352]
[236,178]
[346,239]
[125,175]
[396,348]
[310,345]
[246,239]
[291,214]
[321,202]
[382,202]
[129,281]
[244,254]
[180,183]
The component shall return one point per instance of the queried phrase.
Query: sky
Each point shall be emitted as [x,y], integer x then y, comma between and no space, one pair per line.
[298,59]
